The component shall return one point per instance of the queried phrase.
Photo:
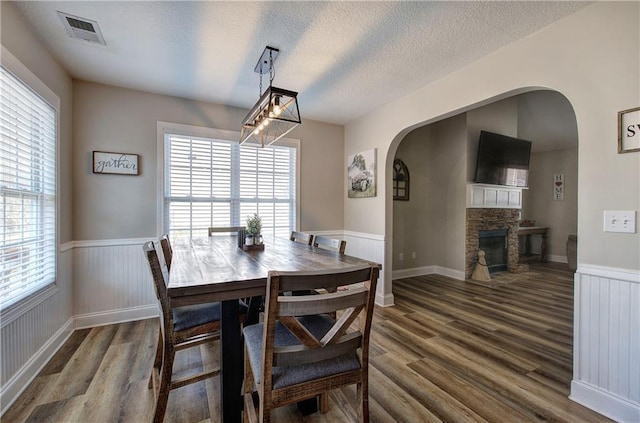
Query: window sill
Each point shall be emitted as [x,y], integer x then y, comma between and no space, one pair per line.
[23,306]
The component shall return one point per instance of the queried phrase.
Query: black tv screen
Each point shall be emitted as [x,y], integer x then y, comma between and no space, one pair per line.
[502,160]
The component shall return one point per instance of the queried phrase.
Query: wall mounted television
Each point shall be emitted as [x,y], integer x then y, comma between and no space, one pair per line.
[502,160]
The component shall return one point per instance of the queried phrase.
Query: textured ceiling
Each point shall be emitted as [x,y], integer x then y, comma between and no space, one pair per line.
[344,58]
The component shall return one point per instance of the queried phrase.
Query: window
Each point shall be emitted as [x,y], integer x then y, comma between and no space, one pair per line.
[27,191]
[216,182]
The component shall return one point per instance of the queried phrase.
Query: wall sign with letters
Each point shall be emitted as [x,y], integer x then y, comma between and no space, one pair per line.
[558,186]
[629,130]
[117,163]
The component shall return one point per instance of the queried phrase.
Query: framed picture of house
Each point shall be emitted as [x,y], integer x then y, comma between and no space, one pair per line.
[361,174]
[629,130]
[115,163]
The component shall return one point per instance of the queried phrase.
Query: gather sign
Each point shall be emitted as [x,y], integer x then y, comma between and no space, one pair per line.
[117,163]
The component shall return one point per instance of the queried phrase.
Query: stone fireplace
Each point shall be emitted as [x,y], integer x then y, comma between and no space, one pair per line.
[492,219]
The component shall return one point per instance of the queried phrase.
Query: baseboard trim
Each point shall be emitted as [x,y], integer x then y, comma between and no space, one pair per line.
[410,273]
[384,300]
[451,273]
[110,317]
[21,380]
[558,259]
[603,402]
[428,270]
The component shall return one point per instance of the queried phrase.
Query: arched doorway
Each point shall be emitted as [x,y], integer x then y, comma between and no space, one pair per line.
[429,230]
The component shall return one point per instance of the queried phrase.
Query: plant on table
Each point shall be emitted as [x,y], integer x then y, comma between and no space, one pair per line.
[254,228]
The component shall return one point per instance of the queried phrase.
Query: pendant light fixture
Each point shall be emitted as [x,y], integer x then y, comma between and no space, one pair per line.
[275,113]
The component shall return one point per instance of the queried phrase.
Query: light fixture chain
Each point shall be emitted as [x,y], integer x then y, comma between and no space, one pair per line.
[271,71]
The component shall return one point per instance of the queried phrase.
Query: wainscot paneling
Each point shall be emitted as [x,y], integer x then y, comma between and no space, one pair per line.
[31,338]
[112,282]
[606,374]
[371,247]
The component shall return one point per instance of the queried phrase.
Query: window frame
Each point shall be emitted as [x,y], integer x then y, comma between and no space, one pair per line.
[166,128]
[21,72]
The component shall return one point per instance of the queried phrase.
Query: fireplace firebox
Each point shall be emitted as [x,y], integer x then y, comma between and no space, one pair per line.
[494,244]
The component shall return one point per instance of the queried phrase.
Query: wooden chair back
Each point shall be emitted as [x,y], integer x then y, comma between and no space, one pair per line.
[345,338]
[167,251]
[301,237]
[327,243]
[224,229]
[158,283]
[180,328]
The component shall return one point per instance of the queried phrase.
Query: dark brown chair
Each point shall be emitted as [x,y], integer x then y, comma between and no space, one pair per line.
[223,229]
[167,251]
[300,352]
[180,328]
[327,243]
[301,237]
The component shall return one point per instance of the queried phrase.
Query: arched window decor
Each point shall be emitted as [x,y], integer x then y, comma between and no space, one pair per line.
[400,180]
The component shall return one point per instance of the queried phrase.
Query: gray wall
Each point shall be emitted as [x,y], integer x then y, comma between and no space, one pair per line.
[116,119]
[431,223]
[561,216]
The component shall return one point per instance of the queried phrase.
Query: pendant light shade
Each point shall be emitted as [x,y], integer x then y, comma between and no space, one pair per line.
[275,113]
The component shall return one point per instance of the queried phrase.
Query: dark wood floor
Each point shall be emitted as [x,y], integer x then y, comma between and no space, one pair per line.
[448,351]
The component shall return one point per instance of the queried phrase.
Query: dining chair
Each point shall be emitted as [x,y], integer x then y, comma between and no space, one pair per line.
[167,251]
[180,328]
[327,243]
[223,229]
[299,351]
[301,237]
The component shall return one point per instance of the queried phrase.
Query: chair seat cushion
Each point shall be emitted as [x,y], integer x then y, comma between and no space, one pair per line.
[187,317]
[318,325]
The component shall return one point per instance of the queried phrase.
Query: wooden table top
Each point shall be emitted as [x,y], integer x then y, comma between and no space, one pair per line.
[215,269]
[526,230]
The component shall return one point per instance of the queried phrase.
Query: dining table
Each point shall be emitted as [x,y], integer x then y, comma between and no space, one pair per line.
[217,268]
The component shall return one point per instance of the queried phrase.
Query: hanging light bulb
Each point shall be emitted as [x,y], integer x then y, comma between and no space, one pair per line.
[277,110]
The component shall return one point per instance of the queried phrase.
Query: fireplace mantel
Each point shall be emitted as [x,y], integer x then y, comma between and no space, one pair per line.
[493,196]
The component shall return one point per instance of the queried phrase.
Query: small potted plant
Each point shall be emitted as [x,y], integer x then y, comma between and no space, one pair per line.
[254,227]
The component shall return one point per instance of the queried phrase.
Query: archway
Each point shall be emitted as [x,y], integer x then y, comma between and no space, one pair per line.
[437,206]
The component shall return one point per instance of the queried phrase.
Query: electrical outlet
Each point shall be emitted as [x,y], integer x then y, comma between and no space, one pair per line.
[401,256]
[620,221]
[413,255]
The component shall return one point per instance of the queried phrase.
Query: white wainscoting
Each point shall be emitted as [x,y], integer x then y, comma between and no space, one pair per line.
[369,247]
[606,373]
[48,324]
[112,283]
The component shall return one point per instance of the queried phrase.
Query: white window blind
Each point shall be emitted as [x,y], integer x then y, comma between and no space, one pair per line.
[211,182]
[27,191]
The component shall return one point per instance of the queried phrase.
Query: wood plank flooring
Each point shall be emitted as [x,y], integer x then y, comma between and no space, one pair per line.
[448,351]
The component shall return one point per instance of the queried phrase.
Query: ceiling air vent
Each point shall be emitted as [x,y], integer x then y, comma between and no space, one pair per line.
[82,28]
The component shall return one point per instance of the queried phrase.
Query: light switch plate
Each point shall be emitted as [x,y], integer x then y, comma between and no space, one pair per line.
[620,221]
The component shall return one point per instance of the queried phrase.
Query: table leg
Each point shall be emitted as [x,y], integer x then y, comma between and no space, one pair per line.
[543,247]
[527,245]
[231,363]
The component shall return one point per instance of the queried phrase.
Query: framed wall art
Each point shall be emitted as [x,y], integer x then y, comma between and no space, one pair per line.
[629,130]
[400,181]
[361,174]
[115,163]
